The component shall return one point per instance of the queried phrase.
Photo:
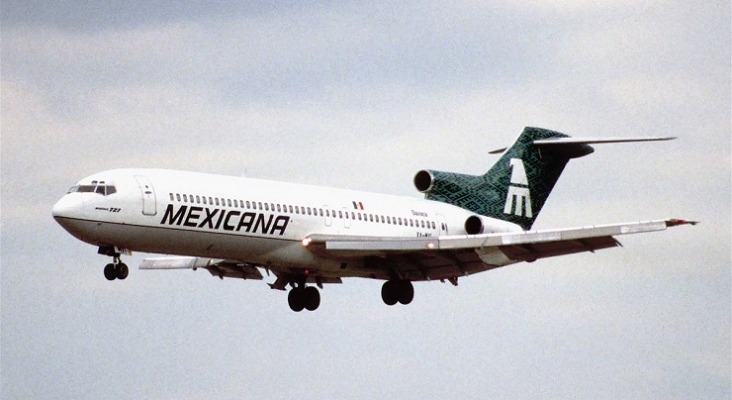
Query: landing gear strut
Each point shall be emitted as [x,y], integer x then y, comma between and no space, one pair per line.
[304,297]
[397,291]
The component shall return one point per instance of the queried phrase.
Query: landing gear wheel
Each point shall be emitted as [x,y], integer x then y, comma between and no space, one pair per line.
[296,299]
[121,271]
[389,293]
[110,272]
[311,297]
[406,291]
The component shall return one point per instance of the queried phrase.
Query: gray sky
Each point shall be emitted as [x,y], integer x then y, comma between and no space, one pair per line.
[363,96]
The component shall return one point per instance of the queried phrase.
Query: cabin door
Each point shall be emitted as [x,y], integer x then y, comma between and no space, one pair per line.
[148,195]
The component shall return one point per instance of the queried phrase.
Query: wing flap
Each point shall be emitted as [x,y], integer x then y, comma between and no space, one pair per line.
[532,252]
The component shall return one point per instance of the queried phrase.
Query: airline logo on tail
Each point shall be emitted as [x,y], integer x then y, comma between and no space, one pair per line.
[518,198]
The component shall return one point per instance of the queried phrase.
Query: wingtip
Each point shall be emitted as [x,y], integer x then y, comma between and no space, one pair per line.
[677,222]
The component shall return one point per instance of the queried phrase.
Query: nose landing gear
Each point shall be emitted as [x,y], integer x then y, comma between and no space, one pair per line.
[116,269]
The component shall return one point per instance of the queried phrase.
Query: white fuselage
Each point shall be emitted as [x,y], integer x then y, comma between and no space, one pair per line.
[253,221]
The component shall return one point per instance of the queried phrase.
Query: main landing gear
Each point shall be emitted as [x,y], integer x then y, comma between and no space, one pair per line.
[304,297]
[397,291]
[116,269]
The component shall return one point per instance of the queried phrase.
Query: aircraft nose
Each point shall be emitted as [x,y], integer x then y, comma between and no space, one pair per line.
[68,207]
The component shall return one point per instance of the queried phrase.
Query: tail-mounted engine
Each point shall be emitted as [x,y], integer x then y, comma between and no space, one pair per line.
[438,185]
[424,181]
[474,225]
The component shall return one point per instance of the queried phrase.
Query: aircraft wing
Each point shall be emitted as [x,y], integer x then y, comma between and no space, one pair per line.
[220,268]
[448,257]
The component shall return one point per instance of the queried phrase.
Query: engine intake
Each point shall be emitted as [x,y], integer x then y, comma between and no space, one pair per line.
[424,181]
[474,225]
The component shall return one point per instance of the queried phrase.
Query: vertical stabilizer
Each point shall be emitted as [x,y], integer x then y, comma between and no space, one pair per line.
[515,188]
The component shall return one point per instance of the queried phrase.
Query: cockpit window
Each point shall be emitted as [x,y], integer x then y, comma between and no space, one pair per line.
[104,190]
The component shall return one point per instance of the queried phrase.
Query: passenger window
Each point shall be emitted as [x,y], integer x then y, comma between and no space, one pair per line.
[177,196]
[289,208]
[171,197]
[321,211]
[371,218]
[340,214]
[266,207]
[204,200]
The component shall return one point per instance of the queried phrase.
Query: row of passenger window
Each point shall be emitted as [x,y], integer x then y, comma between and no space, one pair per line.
[258,205]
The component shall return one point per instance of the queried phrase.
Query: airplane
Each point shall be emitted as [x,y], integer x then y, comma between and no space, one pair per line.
[308,236]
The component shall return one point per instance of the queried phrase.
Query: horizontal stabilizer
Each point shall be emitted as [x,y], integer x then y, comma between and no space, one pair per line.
[572,140]
[558,141]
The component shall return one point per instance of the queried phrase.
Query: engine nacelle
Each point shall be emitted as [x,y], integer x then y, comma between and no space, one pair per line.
[424,181]
[439,183]
[474,225]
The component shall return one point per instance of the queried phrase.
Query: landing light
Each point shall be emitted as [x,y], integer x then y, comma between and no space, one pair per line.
[306,241]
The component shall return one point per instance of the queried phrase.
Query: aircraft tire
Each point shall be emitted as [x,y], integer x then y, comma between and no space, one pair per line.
[405,291]
[296,299]
[311,295]
[389,293]
[110,272]
[121,271]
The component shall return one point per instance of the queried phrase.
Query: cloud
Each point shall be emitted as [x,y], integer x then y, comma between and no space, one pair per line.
[343,94]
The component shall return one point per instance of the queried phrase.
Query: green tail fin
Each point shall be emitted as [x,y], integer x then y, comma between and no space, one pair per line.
[515,188]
